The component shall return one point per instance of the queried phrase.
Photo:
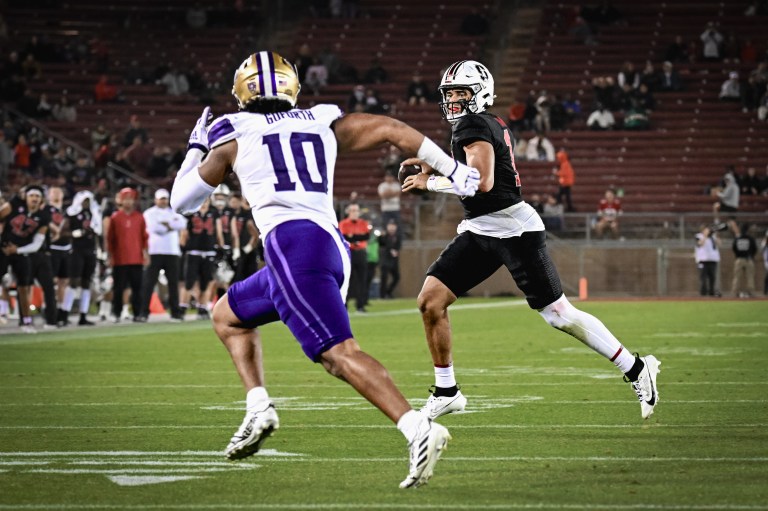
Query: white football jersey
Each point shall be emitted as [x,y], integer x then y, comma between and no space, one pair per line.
[285,163]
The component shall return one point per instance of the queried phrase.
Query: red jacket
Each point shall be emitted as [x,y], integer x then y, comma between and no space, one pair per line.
[127,238]
[356,232]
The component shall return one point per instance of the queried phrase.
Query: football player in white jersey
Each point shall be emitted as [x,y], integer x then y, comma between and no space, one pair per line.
[284,158]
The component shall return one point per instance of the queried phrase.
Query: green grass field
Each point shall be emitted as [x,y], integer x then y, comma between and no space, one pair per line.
[135,417]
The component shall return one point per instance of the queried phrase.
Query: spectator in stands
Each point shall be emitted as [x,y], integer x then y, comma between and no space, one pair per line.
[711,40]
[373,105]
[608,212]
[22,154]
[558,115]
[601,119]
[762,107]
[707,255]
[580,29]
[521,149]
[552,214]
[376,73]
[730,90]
[535,202]
[670,78]
[99,136]
[303,60]
[728,197]
[64,110]
[749,183]
[44,108]
[750,95]
[134,74]
[628,75]
[677,51]
[606,92]
[390,161]
[82,175]
[134,129]
[126,242]
[356,100]
[565,179]
[744,251]
[138,156]
[626,94]
[542,121]
[176,83]
[330,60]
[649,77]
[389,192]
[516,117]
[474,23]
[540,148]
[104,91]
[160,163]
[645,98]
[197,16]
[572,108]
[731,48]
[31,68]
[418,91]
[636,117]
[317,76]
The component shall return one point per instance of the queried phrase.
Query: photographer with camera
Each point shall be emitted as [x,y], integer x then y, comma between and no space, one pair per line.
[711,41]
[707,253]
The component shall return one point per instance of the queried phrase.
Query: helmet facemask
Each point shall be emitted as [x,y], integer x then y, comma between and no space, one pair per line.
[467,75]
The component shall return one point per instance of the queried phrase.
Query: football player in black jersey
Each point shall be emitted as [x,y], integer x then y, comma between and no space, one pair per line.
[85,225]
[60,248]
[499,229]
[245,240]
[26,224]
[199,242]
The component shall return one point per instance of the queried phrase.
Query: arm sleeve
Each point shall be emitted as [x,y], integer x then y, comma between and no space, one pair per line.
[33,247]
[189,192]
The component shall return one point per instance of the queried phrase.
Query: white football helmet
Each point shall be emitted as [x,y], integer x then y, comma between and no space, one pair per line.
[220,196]
[466,74]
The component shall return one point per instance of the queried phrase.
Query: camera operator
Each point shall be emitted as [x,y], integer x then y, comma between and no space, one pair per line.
[707,254]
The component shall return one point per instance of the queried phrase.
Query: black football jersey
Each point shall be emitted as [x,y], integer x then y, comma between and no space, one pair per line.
[201,228]
[506,189]
[243,217]
[21,225]
[86,242]
[57,218]
[226,216]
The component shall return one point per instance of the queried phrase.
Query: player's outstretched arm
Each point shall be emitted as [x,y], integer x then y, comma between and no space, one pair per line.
[360,132]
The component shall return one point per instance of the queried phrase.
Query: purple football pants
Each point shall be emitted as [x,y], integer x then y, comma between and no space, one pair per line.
[307,270]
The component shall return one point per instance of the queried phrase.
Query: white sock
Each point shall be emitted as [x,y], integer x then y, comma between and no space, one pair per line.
[69,298]
[85,300]
[255,398]
[444,377]
[409,425]
[4,309]
[105,308]
[589,330]
[126,310]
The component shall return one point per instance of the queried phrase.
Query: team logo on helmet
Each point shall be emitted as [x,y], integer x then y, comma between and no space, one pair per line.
[265,75]
[470,75]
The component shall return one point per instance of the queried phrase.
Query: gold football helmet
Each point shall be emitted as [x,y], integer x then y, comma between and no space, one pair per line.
[265,74]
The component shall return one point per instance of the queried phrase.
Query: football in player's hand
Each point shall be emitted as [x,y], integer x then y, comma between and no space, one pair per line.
[410,170]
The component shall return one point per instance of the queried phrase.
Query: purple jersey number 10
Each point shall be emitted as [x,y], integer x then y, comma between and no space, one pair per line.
[297,142]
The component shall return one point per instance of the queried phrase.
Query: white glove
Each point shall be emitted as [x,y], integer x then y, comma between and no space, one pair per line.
[247,249]
[198,139]
[235,254]
[464,180]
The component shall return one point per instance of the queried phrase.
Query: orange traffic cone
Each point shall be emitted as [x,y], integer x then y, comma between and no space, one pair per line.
[155,305]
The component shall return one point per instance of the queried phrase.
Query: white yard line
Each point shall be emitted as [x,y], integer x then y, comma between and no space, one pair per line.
[639,425]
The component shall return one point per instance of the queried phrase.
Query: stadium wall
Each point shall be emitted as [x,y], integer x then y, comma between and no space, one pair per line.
[610,271]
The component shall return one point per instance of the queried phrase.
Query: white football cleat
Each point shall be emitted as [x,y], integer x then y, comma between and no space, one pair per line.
[256,427]
[443,405]
[425,450]
[645,385]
